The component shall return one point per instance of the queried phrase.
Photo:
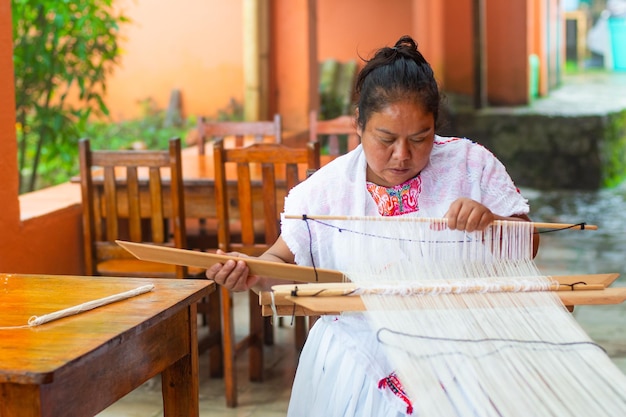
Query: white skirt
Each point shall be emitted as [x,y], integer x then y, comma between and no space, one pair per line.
[339,371]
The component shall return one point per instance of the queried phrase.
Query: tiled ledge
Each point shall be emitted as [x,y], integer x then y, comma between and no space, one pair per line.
[49,200]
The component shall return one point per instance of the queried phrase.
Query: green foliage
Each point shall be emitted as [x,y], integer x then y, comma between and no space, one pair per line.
[63,51]
[614,151]
[233,112]
[335,87]
[331,105]
[150,131]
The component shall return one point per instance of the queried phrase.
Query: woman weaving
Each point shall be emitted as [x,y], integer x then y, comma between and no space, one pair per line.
[401,168]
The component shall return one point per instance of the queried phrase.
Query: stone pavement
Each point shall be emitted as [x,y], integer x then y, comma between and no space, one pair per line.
[584,94]
[587,252]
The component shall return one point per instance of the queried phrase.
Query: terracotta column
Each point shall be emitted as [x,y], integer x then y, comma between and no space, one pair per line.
[509,29]
[428,32]
[293,63]
[9,215]
[458,50]
[256,59]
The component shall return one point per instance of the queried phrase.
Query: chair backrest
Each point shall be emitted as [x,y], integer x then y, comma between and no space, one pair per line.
[265,173]
[259,130]
[130,195]
[334,131]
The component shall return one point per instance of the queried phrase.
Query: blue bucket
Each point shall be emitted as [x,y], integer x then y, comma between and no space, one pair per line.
[617,29]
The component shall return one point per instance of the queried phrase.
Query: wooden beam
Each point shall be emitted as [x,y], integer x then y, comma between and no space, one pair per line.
[256,59]
[480,52]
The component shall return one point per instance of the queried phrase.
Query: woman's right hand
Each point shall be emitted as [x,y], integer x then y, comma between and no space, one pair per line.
[233,275]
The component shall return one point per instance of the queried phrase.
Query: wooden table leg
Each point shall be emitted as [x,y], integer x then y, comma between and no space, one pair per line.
[20,400]
[180,380]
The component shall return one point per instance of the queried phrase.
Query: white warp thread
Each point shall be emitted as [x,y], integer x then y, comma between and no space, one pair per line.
[481,353]
[274,311]
[90,305]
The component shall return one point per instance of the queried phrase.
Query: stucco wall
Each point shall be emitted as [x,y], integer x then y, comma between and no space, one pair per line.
[42,244]
[191,45]
[197,47]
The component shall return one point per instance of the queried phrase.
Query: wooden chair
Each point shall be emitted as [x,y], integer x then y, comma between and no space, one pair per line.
[337,130]
[265,130]
[201,232]
[265,172]
[138,196]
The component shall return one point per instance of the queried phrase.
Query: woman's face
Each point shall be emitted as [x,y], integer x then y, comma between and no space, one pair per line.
[397,142]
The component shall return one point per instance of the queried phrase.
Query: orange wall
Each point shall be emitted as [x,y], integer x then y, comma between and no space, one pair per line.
[509,26]
[293,62]
[46,244]
[197,47]
[457,46]
[191,45]
[349,29]
[510,31]
[8,145]
[203,56]
[371,25]
[428,28]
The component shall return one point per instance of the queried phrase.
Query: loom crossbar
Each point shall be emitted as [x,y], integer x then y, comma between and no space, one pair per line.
[538,225]
[573,290]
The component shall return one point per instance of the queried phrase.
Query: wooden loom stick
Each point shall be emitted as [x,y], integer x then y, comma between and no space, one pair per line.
[205,260]
[565,282]
[351,289]
[334,305]
[539,225]
[587,290]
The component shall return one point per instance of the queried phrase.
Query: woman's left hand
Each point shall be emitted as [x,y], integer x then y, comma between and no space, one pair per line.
[469,215]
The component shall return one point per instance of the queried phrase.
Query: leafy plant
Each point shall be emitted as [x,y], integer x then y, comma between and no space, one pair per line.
[63,51]
[233,112]
[150,131]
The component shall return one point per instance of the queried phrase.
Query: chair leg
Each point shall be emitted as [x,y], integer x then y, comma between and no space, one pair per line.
[228,343]
[216,353]
[268,332]
[257,326]
[211,316]
[301,332]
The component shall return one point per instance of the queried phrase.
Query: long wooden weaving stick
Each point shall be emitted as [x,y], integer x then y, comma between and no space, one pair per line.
[184,257]
[538,225]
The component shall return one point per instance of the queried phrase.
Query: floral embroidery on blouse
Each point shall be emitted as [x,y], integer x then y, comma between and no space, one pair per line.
[401,199]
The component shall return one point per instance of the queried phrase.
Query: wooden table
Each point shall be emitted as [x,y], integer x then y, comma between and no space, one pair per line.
[79,365]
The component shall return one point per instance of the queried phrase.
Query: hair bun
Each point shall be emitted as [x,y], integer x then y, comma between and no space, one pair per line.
[406,42]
